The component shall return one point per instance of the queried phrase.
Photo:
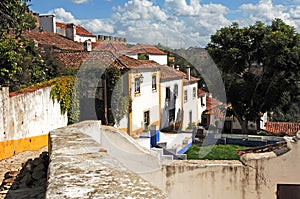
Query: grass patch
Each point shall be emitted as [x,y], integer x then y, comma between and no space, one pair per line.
[214,152]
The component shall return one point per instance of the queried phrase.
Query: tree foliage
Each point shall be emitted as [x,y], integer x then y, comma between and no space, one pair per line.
[259,65]
[21,63]
[15,16]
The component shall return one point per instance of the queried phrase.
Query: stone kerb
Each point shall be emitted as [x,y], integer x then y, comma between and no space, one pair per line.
[81,167]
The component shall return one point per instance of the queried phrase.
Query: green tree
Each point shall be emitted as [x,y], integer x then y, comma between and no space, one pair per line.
[21,63]
[259,65]
[15,16]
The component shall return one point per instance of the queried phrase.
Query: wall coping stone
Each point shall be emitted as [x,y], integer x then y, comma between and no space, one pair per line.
[80,167]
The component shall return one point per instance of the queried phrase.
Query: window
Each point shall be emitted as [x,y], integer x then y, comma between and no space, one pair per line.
[154,82]
[185,96]
[191,117]
[146,120]
[168,94]
[194,93]
[137,85]
[176,90]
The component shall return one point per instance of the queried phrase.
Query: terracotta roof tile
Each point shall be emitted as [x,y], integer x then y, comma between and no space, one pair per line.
[169,73]
[52,39]
[132,63]
[113,46]
[61,25]
[79,29]
[71,59]
[286,127]
[146,49]
[201,92]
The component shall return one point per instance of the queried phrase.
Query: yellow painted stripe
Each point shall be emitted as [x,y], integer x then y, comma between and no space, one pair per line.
[11,147]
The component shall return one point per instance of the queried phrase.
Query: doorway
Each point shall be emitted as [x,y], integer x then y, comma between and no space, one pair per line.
[288,191]
[146,120]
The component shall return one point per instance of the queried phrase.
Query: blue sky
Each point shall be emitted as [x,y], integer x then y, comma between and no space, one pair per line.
[175,23]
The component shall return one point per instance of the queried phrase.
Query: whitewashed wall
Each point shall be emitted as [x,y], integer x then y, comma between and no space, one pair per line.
[81,38]
[147,100]
[178,105]
[27,115]
[190,105]
[161,59]
[201,106]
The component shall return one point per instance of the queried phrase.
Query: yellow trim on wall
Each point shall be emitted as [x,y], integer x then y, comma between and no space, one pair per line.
[130,111]
[10,147]
[124,129]
[159,97]
[135,132]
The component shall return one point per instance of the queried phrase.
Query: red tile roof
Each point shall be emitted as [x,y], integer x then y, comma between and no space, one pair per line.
[113,46]
[169,73]
[61,25]
[102,58]
[71,59]
[132,63]
[79,29]
[52,39]
[283,127]
[201,92]
[146,49]
[212,103]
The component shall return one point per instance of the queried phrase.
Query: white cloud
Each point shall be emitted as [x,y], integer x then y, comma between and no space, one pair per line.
[64,16]
[176,21]
[98,26]
[140,10]
[195,9]
[179,23]
[79,1]
[266,11]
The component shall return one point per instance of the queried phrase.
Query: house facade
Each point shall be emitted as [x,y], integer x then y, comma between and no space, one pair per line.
[190,101]
[148,52]
[144,92]
[171,98]
[48,23]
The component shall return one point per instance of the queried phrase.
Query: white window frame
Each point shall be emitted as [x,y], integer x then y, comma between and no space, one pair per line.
[137,85]
[185,96]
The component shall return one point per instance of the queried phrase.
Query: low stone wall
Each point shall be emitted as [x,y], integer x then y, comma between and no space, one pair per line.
[26,119]
[90,160]
[80,167]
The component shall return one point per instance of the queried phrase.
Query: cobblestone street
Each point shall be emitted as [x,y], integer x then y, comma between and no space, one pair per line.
[22,183]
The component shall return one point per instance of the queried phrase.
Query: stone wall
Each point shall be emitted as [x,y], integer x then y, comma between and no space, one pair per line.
[80,167]
[86,157]
[26,119]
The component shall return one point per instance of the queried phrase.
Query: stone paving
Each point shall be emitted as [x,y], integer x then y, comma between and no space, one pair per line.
[24,175]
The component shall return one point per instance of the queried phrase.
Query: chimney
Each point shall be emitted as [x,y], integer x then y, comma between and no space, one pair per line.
[100,37]
[177,67]
[71,31]
[188,73]
[87,45]
[47,23]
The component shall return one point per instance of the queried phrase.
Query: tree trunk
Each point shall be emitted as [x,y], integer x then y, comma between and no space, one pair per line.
[243,122]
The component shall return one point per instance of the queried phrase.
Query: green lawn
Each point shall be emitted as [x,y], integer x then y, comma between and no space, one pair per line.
[213,152]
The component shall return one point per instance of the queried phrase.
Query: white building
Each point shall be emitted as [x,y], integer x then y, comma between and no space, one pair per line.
[190,101]
[143,88]
[171,97]
[148,52]
[201,104]
[48,23]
